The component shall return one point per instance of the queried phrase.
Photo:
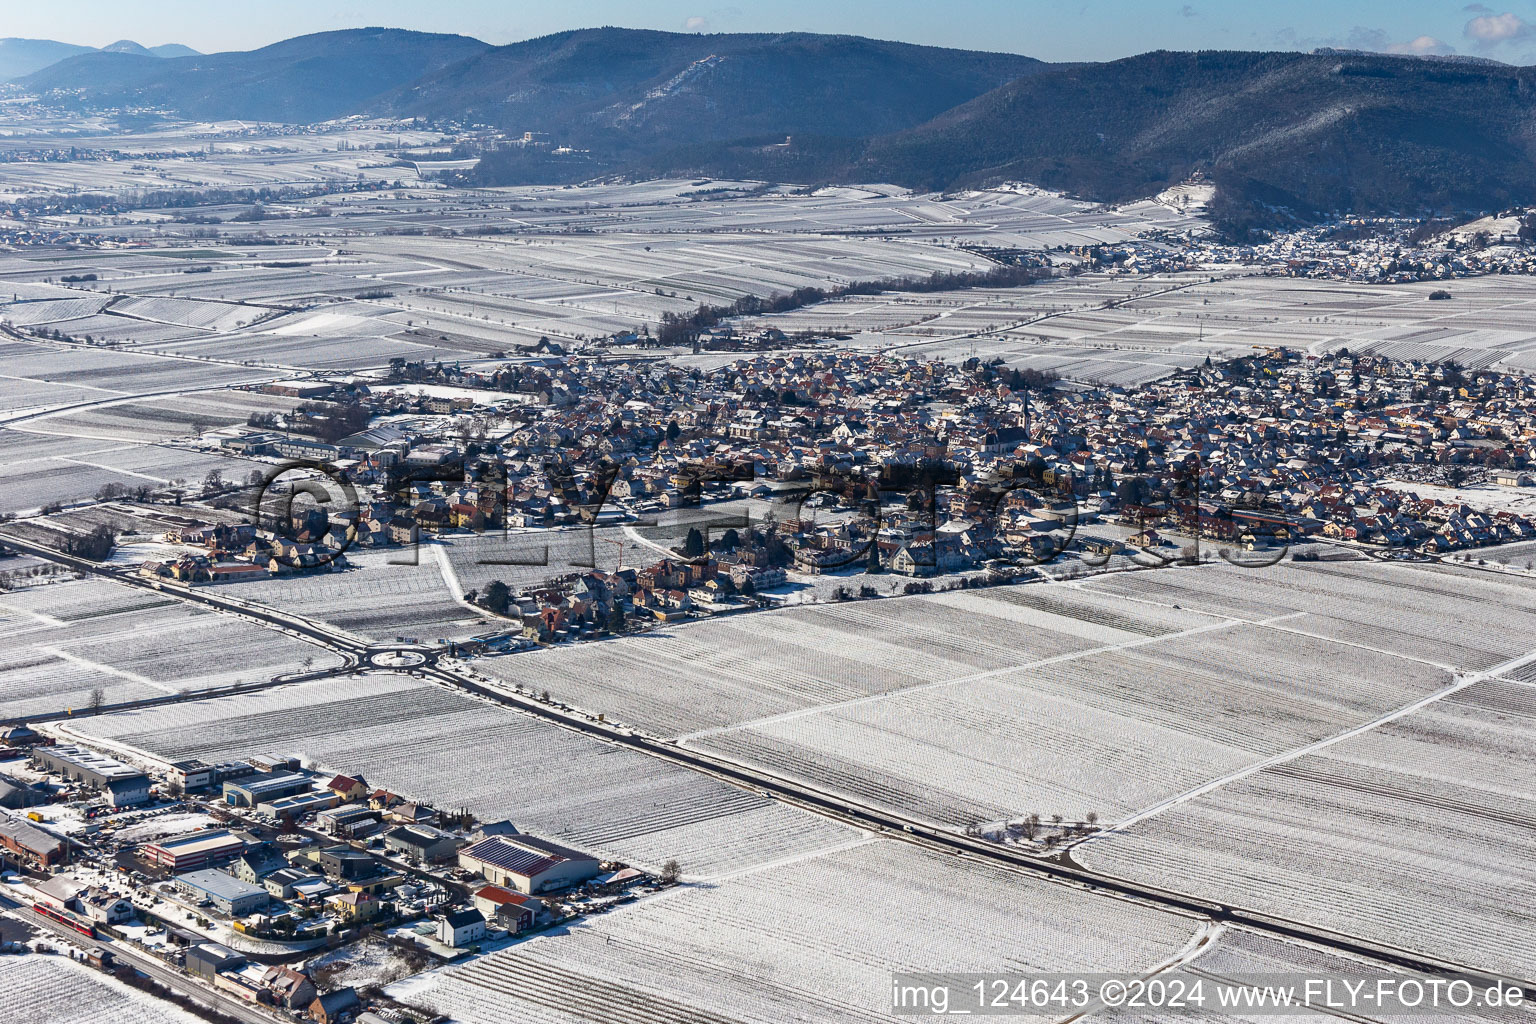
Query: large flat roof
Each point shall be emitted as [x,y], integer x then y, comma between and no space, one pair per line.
[217,883]
[198,842]
[89,760]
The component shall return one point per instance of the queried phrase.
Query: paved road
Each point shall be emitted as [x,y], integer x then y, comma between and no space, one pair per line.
[863,816]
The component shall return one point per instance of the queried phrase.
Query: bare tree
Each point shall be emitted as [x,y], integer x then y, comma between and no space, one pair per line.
[98,698]
[671,871]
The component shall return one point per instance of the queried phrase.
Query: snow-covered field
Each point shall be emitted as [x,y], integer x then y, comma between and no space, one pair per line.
[59,642]
[43,989]
[1426,818]
[163,418]
[381,597]
[1106,696]
[1441,615]
[815,940]
[430,743]
[1124,330]
[737,669]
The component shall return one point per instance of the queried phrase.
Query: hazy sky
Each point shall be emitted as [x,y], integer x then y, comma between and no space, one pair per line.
[1066,30]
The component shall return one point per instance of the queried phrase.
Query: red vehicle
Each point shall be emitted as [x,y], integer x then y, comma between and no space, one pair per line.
[67,918]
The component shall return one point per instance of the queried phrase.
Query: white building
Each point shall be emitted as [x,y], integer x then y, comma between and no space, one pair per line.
[459,928]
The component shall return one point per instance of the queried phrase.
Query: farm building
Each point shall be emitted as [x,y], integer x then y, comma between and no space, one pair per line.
[227,893]
[527,864]
[335,1006]
[194,850]
[291,989]
[19,736]
[123,784]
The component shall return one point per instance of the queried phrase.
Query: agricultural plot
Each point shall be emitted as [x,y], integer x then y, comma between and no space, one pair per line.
[113,373]
[741,952]
[1127,330]
[63,640]
[122,331]
[527,558]
[31,312]
[411,737]
[380,598]
[198,313]
[1442,615]
[38,469]
[1240,955]
[1109,730]
[1428,816]
[162,419]
[1520,556]
[42,989]
[729,671]
[27,395]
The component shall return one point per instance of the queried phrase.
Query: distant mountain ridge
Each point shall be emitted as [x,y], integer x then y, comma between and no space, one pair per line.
[1310,132]
[1283,135]
[19,57]
[642,90]
[304,79]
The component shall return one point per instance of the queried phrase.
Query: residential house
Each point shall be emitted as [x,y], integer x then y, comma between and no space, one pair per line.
[459,928]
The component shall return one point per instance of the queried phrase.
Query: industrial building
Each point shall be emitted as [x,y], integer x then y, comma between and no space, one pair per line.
[350,821]
[31,846]
[192,774]
[265,787]
[16,795]
[227,893]
[527,864]
[123,784]
[194,850]
[422,844]
[207,959]
[299,804]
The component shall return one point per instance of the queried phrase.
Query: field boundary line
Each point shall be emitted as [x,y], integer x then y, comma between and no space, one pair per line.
[787,716]
[1363,647]
[1462,682]
[795,858]
[111,670]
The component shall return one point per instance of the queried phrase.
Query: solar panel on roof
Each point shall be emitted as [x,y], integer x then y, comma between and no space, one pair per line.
[502,854]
